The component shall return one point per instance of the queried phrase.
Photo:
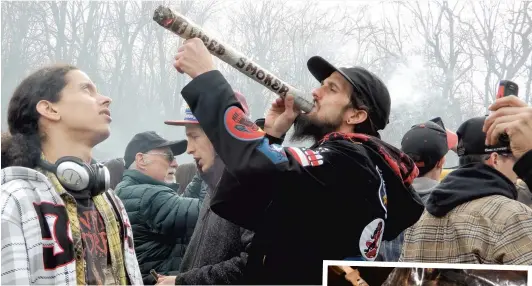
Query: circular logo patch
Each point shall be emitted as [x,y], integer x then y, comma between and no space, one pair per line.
[240,127]
[371,238]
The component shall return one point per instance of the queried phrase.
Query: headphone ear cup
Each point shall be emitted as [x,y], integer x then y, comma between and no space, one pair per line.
[102,178]
[73,173]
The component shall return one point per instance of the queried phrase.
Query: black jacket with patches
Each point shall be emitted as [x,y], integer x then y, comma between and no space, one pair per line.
[334,201]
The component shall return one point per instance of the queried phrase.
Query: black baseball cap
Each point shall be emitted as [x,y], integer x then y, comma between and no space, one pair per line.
[149,140]
[471,139]
[367,85]
[426,144]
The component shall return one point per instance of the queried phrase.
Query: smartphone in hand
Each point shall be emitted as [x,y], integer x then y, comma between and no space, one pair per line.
[506,88]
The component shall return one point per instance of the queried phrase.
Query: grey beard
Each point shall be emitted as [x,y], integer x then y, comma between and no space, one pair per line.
[171,181]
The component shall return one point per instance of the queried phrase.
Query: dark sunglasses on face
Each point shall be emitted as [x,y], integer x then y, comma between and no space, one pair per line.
[169,156]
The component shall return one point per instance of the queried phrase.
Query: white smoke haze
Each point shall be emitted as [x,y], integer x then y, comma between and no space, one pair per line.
[129,57]
[412,102]
[404,85]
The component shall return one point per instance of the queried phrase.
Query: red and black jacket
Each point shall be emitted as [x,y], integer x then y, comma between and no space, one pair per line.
[334,201]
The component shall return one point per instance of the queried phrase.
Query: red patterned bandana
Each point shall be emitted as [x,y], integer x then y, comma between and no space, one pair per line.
[399,162]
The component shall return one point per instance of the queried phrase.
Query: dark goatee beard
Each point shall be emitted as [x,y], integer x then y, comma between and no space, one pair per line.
[306,128]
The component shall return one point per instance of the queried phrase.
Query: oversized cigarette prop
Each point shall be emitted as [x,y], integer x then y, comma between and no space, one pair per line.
[351,275]
[186,29]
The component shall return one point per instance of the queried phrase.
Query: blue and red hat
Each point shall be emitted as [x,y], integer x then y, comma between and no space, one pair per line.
[191,119]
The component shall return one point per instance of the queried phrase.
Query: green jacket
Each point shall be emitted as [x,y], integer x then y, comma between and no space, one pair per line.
[161,219]
[196,189]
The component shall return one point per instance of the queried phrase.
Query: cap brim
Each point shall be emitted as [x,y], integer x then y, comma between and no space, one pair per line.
[178,147]
[322,69]
[180,122]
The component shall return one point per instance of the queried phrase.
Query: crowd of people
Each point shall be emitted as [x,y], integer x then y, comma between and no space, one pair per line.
[255,212]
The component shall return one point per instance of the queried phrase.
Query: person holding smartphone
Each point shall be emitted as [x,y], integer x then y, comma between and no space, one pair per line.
[472,216]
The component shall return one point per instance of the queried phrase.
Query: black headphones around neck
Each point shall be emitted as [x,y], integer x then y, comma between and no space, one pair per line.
[76,175]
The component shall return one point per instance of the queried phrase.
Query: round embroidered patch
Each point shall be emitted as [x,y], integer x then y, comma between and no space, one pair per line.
[371,238]
[240,127]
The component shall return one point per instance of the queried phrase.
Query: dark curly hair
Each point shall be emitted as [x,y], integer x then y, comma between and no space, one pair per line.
[6,142]
[367,126]
[24,147]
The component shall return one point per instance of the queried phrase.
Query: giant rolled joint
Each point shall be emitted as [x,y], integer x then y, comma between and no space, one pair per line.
[350,274]
[186,29]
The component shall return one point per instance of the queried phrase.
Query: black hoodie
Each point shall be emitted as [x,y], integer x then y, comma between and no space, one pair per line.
[335,201]
[523,168]
[467,183]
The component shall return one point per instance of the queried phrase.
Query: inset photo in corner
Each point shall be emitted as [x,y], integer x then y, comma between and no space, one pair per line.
[357,273]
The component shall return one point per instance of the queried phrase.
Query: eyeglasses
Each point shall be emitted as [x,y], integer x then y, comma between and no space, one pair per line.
[169,156]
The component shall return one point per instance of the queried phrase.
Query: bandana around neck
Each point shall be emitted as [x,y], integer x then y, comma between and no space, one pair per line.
[402,165]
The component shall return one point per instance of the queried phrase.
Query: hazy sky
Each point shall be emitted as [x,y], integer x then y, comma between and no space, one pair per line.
[403,84]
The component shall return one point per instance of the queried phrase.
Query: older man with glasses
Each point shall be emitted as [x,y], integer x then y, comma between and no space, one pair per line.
[162,220]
